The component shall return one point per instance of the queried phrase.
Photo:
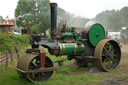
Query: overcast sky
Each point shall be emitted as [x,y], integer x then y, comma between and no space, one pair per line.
[85,8]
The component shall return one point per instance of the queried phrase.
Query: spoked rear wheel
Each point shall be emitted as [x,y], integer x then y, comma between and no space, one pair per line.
[39,76]
[108,54]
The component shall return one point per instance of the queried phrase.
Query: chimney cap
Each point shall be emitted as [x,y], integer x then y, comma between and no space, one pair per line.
[53,4]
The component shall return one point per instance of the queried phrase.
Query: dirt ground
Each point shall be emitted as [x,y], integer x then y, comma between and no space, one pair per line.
[120,75]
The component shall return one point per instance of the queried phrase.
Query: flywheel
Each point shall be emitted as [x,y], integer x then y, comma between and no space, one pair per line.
[96,33]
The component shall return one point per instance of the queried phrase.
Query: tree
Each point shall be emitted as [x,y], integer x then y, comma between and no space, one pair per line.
[32,13]
[111,20]
[124,13]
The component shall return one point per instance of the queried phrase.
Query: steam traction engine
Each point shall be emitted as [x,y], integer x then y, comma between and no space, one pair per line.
[36,66]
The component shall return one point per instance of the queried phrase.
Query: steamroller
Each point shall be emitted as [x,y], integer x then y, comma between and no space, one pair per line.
[86,46]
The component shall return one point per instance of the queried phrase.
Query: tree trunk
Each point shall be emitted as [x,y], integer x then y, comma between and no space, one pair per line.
[17,51]
[6,59]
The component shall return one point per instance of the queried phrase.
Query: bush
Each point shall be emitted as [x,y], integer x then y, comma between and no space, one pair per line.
[8,42]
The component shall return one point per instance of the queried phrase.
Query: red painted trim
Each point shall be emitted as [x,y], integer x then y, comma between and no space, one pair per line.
[42,55]
[42,59]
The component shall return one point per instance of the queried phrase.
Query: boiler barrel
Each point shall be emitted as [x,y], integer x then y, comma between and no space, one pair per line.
[68,49]
[71,48]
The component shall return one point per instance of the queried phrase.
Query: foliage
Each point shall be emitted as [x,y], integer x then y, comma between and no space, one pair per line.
[35,28]
[8,42]
[21,41]
[124,14]
[113,20]
[5,42]
[33,13]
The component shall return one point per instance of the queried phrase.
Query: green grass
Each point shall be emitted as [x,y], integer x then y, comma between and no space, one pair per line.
[65,75]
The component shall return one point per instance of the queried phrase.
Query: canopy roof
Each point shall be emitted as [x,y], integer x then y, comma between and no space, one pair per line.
[6,24]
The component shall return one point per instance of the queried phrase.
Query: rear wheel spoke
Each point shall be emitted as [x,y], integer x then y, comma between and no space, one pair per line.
[105,49]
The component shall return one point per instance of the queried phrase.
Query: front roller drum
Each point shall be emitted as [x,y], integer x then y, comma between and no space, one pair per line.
[28,66]
[108,54]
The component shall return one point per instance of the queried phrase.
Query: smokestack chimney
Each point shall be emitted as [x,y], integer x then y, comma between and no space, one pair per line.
[53,20]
